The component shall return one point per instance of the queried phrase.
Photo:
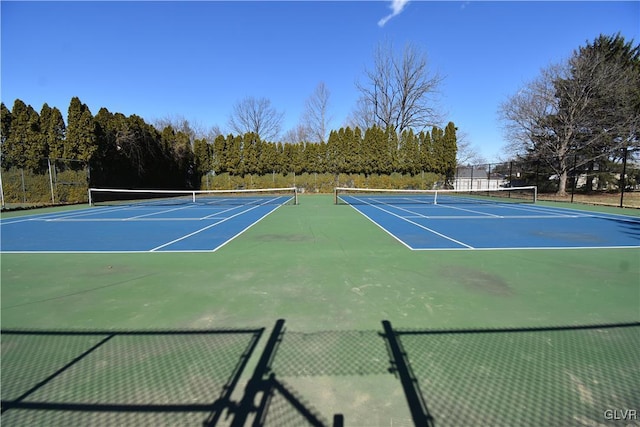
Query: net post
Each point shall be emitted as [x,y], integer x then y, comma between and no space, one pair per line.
[193,196]
[535,194]
[335,195]
[90,201]
[295,195]
[435,197]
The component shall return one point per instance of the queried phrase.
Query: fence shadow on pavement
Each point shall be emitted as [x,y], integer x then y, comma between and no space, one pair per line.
[522,376]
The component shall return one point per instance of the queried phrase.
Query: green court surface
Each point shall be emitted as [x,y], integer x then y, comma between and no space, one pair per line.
[520,347]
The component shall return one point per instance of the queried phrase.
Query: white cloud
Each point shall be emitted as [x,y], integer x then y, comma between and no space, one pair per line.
[396,6]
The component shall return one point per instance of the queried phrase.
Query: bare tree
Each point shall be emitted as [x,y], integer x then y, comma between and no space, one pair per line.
[362,116]
[180,123]
[213,132]
[573,113]
[316,115]
[400,90]
[467,153]
[298,134]
[256,115]
[528,129]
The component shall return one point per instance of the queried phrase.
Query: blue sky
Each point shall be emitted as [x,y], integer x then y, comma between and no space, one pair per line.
[196,59]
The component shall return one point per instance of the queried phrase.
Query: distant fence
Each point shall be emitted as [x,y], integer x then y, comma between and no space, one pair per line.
[614,182]
[60,181]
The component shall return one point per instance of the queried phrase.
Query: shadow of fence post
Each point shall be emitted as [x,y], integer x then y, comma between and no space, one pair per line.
[401,367]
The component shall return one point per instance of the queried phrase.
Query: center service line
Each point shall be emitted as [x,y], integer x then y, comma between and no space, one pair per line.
[209,226]
[416,224]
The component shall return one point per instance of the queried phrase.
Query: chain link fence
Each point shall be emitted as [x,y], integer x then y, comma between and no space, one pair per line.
[58,182]
[613,182]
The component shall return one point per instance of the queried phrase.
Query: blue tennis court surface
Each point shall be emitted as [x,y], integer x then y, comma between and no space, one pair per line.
[422,225]
[135,228]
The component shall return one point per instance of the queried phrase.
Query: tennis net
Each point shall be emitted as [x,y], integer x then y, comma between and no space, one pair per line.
[117,196]
[350,196]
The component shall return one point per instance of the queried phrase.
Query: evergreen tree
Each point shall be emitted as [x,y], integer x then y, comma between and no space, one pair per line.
[293,158]
[105,165]
[202,155]
[53,130]
[409,153]
[250,153]
[322,161]
[5,122]
[438,151]
[334,153]
[36,148]
[426,152]
[349,146]
[24,147]
[219,160]
[269,161]
[377,158]
[358,162]
[391,139]
[282,162]
[234,155]
[310,161]
[184,159]
[12,148]
[80,143]
[169,142]
[450,150]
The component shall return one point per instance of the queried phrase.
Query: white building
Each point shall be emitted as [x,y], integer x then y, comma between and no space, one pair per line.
[477,178]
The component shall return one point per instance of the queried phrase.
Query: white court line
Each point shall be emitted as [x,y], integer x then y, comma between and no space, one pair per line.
[470,210]
[157,213]
[534,248]
[381,227]
[87,212]
[127,219]
[558,212]
[51,215]
[527,248]
[435,217]
[412,222]
[245,229]
[420,215]
[213,225]
[202,218]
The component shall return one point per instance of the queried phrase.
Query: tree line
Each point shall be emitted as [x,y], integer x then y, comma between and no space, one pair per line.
[126,152]
[581,113]
[119,151]
[351,151]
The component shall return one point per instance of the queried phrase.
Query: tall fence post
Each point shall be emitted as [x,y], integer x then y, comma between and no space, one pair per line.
[575,177]
[510,174]
[623,176]
[489,177]
[24,188]
[53,199]
[1,189]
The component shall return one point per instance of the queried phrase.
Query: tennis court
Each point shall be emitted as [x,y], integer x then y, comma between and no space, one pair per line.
[488,220]
[314,315]
[148,224]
